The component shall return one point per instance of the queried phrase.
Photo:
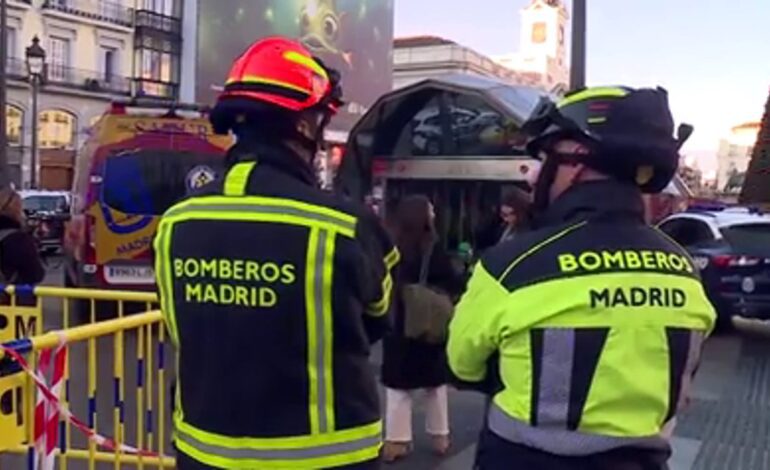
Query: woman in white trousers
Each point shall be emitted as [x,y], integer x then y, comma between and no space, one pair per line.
[398,420]
[411,368]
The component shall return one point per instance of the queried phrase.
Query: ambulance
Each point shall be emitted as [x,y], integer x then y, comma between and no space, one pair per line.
[141,158]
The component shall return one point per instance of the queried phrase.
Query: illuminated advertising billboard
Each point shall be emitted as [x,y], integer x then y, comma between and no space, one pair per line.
[352,36]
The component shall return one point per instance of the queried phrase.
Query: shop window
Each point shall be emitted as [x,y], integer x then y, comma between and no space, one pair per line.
[14,117]
[57,129]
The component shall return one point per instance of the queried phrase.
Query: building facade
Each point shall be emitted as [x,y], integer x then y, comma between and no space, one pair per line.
[96,51]
[541,62]
[422,57]
[542,56]
[733,157]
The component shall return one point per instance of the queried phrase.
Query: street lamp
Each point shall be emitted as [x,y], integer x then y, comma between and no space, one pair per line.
[4,173]
[578,56]
[35,58]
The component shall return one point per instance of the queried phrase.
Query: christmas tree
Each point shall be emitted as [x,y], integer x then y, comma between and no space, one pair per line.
[756,186]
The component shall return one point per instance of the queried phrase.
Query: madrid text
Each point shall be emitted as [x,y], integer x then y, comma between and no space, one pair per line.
[236,282]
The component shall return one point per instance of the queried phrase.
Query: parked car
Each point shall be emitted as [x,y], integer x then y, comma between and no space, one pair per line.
[46,213]
[731,247]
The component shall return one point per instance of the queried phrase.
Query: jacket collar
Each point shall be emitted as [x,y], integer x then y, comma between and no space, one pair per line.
[278,157]
[595,200]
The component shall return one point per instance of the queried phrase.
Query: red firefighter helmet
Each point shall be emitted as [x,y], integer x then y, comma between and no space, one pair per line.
[276,72]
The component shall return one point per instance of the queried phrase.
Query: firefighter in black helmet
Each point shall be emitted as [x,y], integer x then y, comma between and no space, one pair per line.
[592,322]
[272,289]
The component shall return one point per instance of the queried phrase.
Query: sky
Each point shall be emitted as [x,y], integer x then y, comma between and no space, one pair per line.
[711,55]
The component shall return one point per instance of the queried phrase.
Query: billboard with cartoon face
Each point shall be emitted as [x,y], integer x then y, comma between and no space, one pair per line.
[352,36]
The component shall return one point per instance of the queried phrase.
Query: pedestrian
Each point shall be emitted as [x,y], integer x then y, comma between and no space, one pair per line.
[275,288]
[20,261]
[417,364]
[588,328]
[510,219]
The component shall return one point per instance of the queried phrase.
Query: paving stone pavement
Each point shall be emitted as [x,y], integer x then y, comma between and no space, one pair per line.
[733,424]
[726,426]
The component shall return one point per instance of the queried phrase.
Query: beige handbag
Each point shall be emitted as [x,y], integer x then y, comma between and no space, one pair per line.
[427,311]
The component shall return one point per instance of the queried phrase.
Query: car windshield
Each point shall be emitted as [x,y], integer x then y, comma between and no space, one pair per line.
[45,203]
[148,182]
[749,238]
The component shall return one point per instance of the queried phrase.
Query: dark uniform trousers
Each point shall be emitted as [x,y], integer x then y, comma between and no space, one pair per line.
[496,453]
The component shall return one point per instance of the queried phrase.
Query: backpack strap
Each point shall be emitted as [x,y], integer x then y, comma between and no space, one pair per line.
[425,265]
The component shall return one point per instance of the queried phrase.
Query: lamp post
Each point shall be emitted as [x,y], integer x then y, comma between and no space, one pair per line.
[578,56]
[4,171]
[35,58]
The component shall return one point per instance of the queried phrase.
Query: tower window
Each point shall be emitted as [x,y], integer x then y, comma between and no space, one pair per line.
[539,33]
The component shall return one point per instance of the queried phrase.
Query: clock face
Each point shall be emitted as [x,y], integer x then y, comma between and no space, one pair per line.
[539,33]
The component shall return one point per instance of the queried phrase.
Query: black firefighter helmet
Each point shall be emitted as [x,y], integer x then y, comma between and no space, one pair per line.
[630,133]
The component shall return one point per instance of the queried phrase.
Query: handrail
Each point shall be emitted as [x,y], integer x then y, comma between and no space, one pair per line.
[71,293]
[83,332]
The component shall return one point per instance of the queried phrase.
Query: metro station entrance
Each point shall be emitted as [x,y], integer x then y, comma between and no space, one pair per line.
[462,207]
[455,139]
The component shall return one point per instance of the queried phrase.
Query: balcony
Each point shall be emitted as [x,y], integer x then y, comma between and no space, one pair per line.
[87,80]
[68,77]
[97,10]
[16,68]
[152,22]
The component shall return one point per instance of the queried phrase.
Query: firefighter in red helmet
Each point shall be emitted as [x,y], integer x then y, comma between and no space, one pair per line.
[272,289]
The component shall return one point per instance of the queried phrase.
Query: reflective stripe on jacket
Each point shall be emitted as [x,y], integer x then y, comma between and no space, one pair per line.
[598,321]
[269,287]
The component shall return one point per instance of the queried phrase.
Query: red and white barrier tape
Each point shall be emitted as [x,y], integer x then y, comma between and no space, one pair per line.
[53,401]
[47,414]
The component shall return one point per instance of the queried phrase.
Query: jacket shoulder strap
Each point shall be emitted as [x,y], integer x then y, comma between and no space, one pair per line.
[237,178]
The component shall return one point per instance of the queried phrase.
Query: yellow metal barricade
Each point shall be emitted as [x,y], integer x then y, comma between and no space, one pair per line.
[117,376]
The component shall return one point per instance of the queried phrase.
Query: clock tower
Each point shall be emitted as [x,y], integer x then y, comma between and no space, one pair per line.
[542,58]
[544,42]
[544,29]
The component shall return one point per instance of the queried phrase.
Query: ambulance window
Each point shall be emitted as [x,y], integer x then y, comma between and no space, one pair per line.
[148,182]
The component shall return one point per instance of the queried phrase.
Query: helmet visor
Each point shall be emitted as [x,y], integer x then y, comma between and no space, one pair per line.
[547,123]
